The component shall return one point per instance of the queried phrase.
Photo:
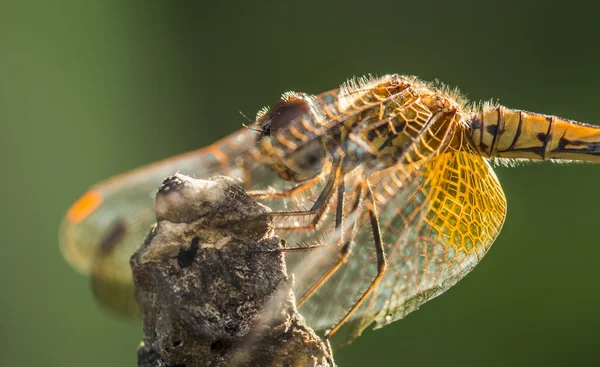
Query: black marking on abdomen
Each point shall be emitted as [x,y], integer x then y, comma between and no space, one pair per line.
[547,137]
[589,148]
[517,134]
[475,124]
[492,129]
[536,150]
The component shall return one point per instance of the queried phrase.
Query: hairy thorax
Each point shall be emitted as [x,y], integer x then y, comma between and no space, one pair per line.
[377,123]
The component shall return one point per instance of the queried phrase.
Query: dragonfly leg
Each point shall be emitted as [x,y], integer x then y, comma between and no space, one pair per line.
[342,256]
[339,218]
[381,261]
[318,207]
[303,186]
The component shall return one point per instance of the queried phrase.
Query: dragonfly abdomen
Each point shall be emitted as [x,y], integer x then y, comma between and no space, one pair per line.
[507,133]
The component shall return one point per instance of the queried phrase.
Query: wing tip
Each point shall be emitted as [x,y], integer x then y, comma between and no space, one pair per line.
[84,206]
[69,244]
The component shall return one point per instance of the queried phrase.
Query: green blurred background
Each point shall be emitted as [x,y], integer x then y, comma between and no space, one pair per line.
[91,89]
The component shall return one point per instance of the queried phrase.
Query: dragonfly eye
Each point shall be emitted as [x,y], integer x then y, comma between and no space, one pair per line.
[286,111]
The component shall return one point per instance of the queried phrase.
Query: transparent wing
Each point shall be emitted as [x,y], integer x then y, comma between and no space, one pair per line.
[461,210]
[104,227]
[436,226]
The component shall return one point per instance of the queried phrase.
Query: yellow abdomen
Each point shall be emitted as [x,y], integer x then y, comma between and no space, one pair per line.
[507,133]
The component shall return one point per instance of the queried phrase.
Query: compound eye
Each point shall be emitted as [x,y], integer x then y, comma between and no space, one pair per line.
[286,111]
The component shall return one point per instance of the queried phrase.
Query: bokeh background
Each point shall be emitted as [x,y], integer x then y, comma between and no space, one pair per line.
[89,89]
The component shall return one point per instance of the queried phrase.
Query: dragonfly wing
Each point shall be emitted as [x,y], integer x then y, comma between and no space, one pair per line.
[438,237]
[436,227]
[104,227]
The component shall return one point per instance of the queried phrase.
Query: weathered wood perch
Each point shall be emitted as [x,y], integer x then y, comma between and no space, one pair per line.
[212,285]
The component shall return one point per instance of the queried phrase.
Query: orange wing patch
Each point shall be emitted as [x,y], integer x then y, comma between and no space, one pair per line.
[83,207]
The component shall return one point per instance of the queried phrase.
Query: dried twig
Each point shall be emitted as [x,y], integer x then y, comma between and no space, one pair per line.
[212,284]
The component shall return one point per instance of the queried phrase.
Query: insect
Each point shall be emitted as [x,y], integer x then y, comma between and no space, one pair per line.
[383,188]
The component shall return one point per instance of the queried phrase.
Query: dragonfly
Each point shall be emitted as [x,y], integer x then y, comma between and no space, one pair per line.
[383,189]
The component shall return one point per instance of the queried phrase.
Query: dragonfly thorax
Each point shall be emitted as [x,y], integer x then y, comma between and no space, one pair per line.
[375,123]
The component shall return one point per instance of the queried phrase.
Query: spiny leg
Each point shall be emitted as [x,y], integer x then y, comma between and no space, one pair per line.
[318,208]
[344,251]
[381,261]
[303,186]
[338,220]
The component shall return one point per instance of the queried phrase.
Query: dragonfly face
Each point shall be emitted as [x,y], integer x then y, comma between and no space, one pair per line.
[386,180]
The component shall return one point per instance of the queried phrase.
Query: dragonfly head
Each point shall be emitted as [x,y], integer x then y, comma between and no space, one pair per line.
[290,141]
[289,108]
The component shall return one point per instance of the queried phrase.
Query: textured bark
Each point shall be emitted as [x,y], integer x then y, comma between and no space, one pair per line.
[212,285]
